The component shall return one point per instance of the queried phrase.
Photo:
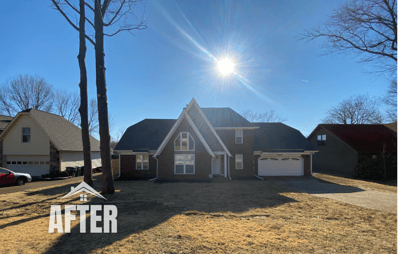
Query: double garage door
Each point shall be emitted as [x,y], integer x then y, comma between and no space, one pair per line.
[280,166]
[33,165]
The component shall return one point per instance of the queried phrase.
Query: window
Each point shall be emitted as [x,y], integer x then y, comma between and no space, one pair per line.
[321,140]
[239,161]
[285,159]
[184,164]
[142,161]
[239,136]
[25,135]
[184,142]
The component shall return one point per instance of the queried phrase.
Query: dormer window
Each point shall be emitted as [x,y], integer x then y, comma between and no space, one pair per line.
[184,142]
[25,135]
[321,140]
[239,136]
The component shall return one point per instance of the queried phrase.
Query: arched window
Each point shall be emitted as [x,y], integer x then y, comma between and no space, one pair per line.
[184,142]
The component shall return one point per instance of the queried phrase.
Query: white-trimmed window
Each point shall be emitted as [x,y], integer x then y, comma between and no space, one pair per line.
[238,136]
[184,142]
[321,140]
[239,161]
[184,164]
[142,161]
[25,135]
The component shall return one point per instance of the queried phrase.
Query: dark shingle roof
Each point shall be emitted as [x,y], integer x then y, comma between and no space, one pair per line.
[271,136]
[64,134]
[4,121]
[225,117]
[365,138]
[147,134]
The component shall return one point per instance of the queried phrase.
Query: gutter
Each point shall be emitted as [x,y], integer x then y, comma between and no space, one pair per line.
[259,177]
[157,164]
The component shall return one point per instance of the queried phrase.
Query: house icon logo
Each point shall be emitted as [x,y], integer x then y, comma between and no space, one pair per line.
[83,188]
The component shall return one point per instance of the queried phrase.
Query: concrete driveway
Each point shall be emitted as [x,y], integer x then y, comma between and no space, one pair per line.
[381,201]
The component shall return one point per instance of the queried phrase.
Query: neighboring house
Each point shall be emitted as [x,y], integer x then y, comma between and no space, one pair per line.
[4,121]
[38,143]
[342,146]
[207,142]
[392,126]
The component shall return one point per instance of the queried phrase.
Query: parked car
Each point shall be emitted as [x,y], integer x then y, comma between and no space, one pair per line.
[10,177]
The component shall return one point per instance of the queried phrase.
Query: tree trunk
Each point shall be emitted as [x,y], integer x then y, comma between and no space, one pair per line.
[107,176]
[83,98]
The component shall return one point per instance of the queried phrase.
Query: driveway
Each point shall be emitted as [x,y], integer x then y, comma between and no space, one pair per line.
[382,201]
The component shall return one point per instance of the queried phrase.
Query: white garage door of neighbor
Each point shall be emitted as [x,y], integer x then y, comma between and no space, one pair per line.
[33,165]
[280,166]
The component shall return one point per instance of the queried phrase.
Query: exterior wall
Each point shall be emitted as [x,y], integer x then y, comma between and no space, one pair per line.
[202,158]
[54,158]
[38,145]
[255,164]
[1,153]
[247,149]
[74,159]
[128,168]
[334,157]
[307,164]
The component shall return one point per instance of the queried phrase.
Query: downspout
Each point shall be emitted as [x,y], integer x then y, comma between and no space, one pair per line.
[157,164]
[259,177]
[311,162]
[229,173]
[120,172]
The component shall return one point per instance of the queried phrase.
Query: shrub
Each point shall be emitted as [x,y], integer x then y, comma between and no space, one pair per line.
[374,169]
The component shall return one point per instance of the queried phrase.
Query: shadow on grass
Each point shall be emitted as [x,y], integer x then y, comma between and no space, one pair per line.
[312,185]
[144,205]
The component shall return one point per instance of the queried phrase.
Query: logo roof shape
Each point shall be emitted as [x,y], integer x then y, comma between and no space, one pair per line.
[83,186]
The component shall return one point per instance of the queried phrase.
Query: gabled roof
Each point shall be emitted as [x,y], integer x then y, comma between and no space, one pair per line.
[364,138]
[280,137]
[392,126]
[147,134]
[4,121]
[65,135]
[225,117]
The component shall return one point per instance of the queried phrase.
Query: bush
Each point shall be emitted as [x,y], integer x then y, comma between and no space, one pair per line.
[374,169]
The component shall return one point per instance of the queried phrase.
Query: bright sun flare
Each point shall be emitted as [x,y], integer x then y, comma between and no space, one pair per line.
[225,66]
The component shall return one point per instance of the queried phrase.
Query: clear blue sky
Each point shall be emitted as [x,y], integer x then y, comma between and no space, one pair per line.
[156,72]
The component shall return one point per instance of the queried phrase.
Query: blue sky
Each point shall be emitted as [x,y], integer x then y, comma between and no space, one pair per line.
[156,72]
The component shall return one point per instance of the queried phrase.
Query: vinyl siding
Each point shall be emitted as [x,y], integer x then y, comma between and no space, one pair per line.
[74,159]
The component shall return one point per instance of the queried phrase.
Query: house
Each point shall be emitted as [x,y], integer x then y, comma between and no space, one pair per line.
[4,121]
[37,142]
[207,142]
[342,146]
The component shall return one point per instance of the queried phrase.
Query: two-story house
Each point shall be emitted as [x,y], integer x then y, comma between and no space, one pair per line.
[207,142]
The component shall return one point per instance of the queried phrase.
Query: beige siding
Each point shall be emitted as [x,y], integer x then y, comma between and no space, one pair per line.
[73,159]
[33,165]
[39,143]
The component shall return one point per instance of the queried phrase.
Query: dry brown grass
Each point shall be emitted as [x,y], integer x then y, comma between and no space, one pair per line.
[366,185]
[233,217]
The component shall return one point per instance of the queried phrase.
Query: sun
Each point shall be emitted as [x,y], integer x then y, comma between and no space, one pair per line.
[225,66]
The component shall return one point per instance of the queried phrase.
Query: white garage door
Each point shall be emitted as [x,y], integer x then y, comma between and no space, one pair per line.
[280,166]
[33,165]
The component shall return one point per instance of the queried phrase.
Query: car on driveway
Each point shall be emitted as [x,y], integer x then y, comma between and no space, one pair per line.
[10,177]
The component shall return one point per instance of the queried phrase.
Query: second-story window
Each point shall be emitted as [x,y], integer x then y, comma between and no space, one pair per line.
[321,140]
[25,135]
[239,136]
[184,142]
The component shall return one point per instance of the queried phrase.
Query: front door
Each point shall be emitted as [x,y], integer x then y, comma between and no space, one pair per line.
[217,165]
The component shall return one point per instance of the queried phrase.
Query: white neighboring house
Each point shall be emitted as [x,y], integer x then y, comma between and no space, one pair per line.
[37,143]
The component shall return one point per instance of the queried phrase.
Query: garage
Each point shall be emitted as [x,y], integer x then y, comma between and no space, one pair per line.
[33,165]
[280,165]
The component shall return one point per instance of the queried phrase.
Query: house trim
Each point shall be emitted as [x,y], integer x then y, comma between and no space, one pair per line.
[183,115]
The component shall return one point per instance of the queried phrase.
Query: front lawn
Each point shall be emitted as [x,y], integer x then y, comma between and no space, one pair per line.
[237,216]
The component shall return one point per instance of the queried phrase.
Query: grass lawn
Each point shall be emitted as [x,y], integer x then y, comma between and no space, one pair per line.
[232,217]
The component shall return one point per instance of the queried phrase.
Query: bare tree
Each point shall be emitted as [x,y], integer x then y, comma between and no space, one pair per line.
[365,27]
[23,92]
[117,16]
[268,116]
[355,110]
[391,101]
[66,105]
[92,117]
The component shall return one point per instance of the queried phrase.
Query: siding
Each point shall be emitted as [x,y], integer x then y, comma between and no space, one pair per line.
[202,158]
[73,159]
[334,157]
[247,149]
[39,143]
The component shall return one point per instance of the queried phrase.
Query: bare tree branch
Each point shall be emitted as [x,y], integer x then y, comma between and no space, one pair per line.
[268,116]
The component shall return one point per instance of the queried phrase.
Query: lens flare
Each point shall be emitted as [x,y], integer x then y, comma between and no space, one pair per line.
[225,66]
